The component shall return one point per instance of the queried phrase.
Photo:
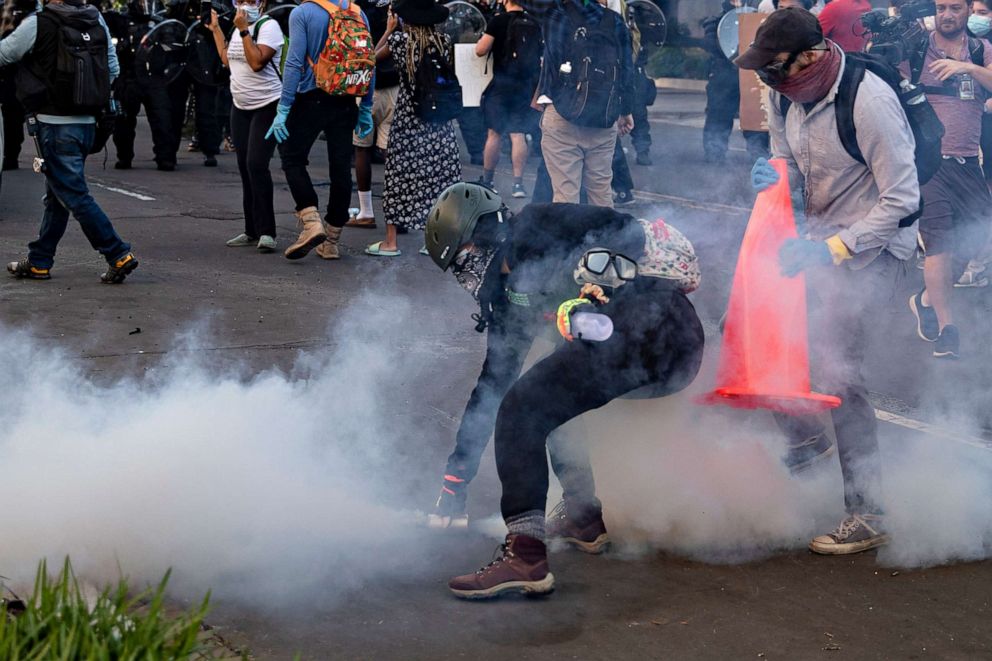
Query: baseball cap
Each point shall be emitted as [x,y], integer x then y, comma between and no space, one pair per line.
[791,30]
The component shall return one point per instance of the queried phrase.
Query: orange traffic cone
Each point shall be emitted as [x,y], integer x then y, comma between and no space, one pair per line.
[764,361]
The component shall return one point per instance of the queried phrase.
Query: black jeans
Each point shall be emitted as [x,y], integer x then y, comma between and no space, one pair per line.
[13,129]
[657,341]
[313,112]
[623,182]
[844,306]
[248,129]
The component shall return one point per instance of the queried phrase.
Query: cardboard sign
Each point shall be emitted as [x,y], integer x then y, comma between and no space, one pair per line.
[473,74]
[754,93]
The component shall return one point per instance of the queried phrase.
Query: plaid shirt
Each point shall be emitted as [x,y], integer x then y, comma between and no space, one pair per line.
[558,31]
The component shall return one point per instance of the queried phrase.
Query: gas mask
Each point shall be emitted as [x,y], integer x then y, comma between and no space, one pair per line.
[602,267]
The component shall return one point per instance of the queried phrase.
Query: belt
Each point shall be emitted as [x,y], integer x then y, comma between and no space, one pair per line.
[961,159]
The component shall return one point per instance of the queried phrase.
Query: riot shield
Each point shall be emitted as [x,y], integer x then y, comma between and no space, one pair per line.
[650,22]
[465,24]
[728,31]
[280,12]
[160,56]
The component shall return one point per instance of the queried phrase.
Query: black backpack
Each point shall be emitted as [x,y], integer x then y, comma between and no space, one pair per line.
[81,79]
[927,127]
[588,92]
[520,56]
[436,94]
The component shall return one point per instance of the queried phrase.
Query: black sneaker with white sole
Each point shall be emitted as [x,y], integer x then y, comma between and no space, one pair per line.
[856,533]
[948,343]
[927,326]
[623,198]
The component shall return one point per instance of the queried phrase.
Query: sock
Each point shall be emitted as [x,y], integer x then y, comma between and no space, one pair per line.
[488,176]
[529,523]
[518,181]
[365,202]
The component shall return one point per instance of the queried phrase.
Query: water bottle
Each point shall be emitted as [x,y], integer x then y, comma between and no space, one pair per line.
[591,326]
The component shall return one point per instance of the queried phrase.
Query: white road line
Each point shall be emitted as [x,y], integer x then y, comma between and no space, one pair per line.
[122,191]
[686,202]
[932,430]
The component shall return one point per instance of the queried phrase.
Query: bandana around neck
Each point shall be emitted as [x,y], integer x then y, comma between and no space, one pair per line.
[472,276]
[814,82]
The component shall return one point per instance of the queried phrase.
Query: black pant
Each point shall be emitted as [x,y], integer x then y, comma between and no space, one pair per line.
[472,123]
[154,96]
[207,122]
[986,146]
[844,306]
[623,182]
[13,130]
[657,341]
[248,129]
[723,100]
[313,112]
[640,137]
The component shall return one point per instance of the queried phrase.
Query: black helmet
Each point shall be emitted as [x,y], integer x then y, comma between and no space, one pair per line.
[452,220]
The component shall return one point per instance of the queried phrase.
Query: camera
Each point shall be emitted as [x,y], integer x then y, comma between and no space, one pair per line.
[895,37]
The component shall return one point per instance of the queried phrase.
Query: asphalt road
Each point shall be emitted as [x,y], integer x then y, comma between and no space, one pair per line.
[262,311]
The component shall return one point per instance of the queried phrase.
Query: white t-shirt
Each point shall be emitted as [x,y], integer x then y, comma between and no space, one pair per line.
[254,89]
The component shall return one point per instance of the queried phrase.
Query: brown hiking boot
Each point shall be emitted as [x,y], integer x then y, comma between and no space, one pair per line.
[521,567]
[329,248]
[589,538]
[312,234]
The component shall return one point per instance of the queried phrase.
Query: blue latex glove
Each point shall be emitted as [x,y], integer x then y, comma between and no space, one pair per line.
[796,255]
[763,175]
[364,125]
[278,129]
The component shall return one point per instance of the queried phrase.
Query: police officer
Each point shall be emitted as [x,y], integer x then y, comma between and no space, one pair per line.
[723,97]
[135,89]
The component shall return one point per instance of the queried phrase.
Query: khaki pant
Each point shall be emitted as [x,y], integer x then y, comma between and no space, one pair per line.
[577,157]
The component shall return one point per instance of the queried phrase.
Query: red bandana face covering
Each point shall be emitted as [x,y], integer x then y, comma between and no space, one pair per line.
[814,82]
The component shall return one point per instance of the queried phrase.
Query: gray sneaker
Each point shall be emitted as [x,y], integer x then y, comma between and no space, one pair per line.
[856,533]
[266,243]
[241,241]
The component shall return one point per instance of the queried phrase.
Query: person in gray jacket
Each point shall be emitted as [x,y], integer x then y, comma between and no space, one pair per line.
[852,248]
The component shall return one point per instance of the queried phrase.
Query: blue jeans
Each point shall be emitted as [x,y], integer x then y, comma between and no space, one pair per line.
[64,148]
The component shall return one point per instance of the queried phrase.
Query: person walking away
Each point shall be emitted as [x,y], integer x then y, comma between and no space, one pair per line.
[513,41]
[853,249]
[957,78]
[635,272]
[252,56]
[62,103]
[319,95]
[841,23]
[587,55]
[387,82]
[423,154]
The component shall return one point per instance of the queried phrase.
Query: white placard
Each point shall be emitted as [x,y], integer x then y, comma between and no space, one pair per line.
[473,74]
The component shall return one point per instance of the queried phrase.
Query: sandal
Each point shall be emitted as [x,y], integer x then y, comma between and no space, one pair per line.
[376,251]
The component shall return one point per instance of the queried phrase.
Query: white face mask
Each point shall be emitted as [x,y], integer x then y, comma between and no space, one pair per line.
[252,12]
[979,25]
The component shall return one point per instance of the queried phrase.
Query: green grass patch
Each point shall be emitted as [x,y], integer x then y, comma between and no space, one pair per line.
[58,622]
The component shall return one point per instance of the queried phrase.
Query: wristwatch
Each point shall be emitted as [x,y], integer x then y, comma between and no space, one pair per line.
[244,33]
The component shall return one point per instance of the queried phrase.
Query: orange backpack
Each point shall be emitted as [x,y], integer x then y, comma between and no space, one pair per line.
[347,61]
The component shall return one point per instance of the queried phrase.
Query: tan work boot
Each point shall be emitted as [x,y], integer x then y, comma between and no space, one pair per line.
[312,234]
[329,248]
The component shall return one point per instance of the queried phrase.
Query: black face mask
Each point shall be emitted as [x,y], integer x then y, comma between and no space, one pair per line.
[775,73]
